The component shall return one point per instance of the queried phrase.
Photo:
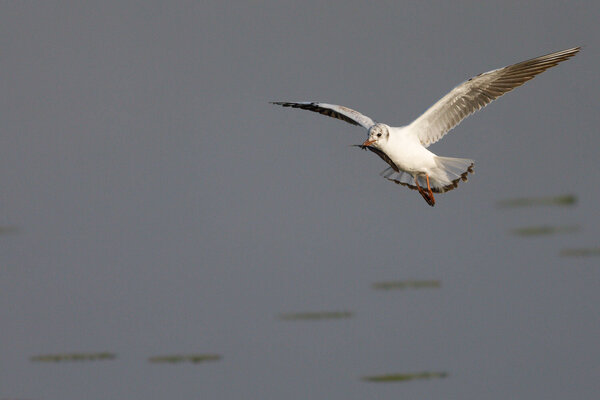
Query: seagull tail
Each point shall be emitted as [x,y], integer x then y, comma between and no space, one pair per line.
[444,177]
[450,171]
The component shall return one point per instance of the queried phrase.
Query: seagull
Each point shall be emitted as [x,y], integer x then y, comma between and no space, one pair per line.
[404,148]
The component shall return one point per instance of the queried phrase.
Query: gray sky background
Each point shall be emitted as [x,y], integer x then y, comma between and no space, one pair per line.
[163,206]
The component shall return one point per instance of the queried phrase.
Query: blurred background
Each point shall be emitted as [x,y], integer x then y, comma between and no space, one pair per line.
[154,204]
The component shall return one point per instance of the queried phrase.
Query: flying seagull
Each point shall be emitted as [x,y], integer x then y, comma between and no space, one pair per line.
[405,148]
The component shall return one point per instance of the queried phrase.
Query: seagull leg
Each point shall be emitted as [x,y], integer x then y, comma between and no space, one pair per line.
[427,196]
[430,192]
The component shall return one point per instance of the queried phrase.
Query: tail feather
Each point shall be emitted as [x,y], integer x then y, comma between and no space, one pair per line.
[449,172]
[452,171]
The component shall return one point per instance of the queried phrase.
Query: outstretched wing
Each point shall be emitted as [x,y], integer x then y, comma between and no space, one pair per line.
[331,110]
[478,92]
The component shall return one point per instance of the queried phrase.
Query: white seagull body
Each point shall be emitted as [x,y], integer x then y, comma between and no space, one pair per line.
[405,148]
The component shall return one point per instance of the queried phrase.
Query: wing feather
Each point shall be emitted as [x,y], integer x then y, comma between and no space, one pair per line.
[478,92]
[331,110]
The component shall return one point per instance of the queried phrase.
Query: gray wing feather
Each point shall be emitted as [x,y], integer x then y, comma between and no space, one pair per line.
[331,110]
[478,92]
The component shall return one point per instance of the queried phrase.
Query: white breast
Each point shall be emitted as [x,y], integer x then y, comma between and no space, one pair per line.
[407,152]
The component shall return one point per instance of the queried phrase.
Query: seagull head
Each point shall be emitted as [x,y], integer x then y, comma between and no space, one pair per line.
[378,134]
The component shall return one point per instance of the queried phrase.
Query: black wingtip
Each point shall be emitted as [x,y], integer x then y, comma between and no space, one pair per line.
[282,103]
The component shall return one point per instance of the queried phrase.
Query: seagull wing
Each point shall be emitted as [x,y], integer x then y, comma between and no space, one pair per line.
[478,92]
[332,110]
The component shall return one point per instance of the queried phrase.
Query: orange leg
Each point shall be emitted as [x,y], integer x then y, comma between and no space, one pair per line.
[430,191]
[428,196]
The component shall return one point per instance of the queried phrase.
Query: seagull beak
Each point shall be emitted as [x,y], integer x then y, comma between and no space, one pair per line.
[367,143]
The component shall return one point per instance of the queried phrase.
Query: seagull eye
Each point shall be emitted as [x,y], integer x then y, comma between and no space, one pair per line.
[379,135]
